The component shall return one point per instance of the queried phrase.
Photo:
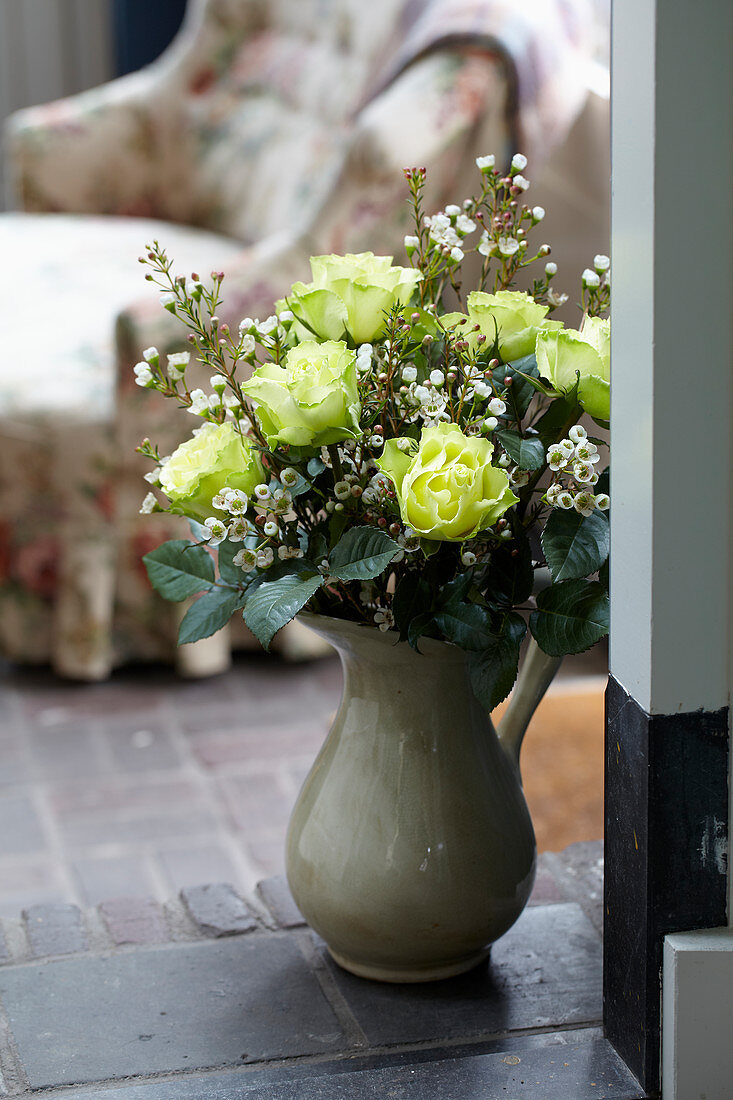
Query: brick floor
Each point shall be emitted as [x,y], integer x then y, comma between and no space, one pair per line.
[145,784]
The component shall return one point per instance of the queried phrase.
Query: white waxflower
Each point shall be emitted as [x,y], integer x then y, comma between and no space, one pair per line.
[285,315]
[485,164]
[177,364]
[342,490]
[496,407]
[215,401]
[239,528]
[245,559]
[149,504]
[508,246]
[538,213]
[518,477]
[567,446]
[168,301]
[564,500]
[246,324]
[143,374]
[557,458]
[585,503]
[214,531]
[409,374]
[199,403]
[601,263]
[376,440]
[150,355]
[236,501]
[271,529]
[220,500]
[555,299]
[506,534]
[553,493]
[265,558]
[590,278]
[153,476]
[519,161]
[485,246]
[464,224]
[268,326]
[194,288]
[490,423]
[411,243]
[452,211]
[577,433]
[456,254]
[218,383]
[505,461]
[468,557]
[364,351]
[482,389]
[248,344]
[551,268]
[521,181]
[587,452]
[603,501]
[282,500]
[582,472]
[437,377]
[262,491]
[289,477]
[384,619]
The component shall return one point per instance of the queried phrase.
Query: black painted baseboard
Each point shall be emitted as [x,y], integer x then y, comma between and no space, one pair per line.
[665,858]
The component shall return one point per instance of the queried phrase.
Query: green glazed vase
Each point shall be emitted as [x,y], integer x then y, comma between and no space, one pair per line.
[410,848]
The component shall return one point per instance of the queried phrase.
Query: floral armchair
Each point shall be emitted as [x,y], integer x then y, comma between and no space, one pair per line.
[271,129]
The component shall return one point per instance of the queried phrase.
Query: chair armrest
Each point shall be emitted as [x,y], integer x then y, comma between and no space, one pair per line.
[89,153]
[441,112]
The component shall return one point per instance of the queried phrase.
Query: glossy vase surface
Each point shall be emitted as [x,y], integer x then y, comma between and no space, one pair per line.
[410,848]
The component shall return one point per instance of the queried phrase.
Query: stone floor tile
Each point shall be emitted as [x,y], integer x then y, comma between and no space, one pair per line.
[68,752]
[106,877]
[55,929]
[87,831]
[163,1010]
[217,910]
[15,766]
[141,745]
[546,971]
[545,890]
[134,920]
[257,802]
[222,748]
[267,850]
[275,893]
[20,826]
[564,1066]
[196,865]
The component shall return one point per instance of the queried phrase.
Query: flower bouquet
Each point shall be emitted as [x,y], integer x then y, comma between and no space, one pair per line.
[387,452]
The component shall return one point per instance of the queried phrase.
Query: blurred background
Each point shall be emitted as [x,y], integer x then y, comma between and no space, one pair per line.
[268,130]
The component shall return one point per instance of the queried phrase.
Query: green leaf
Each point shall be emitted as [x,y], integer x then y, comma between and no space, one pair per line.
[570,617]
[467,625]
[519,393]
[603,575]
[209,613]
[315,467]
[430,546]
[179,569]
[229,572]
[562,411]
[420,625]
[274,603]
[362,553]
[494,669]
[337,526]
[456,590]
[412,598]
[603,483]
[528,453]
[510,578]
[575,545]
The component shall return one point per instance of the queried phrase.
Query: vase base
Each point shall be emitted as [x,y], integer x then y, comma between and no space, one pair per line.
[413,974]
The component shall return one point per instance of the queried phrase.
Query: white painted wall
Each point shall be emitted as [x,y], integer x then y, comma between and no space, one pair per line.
[672,333]
[49,49]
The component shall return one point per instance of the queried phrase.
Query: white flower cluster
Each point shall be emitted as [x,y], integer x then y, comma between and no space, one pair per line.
[575,458]
[364,358]
[271,507]
[447,230]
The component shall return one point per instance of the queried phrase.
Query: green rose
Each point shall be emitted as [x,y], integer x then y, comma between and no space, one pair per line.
[446,486]
[561,356]
[215,457]
[512,313]
[312,400]
[349,295]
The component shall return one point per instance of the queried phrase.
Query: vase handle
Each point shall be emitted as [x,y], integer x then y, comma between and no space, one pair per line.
[533,681]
